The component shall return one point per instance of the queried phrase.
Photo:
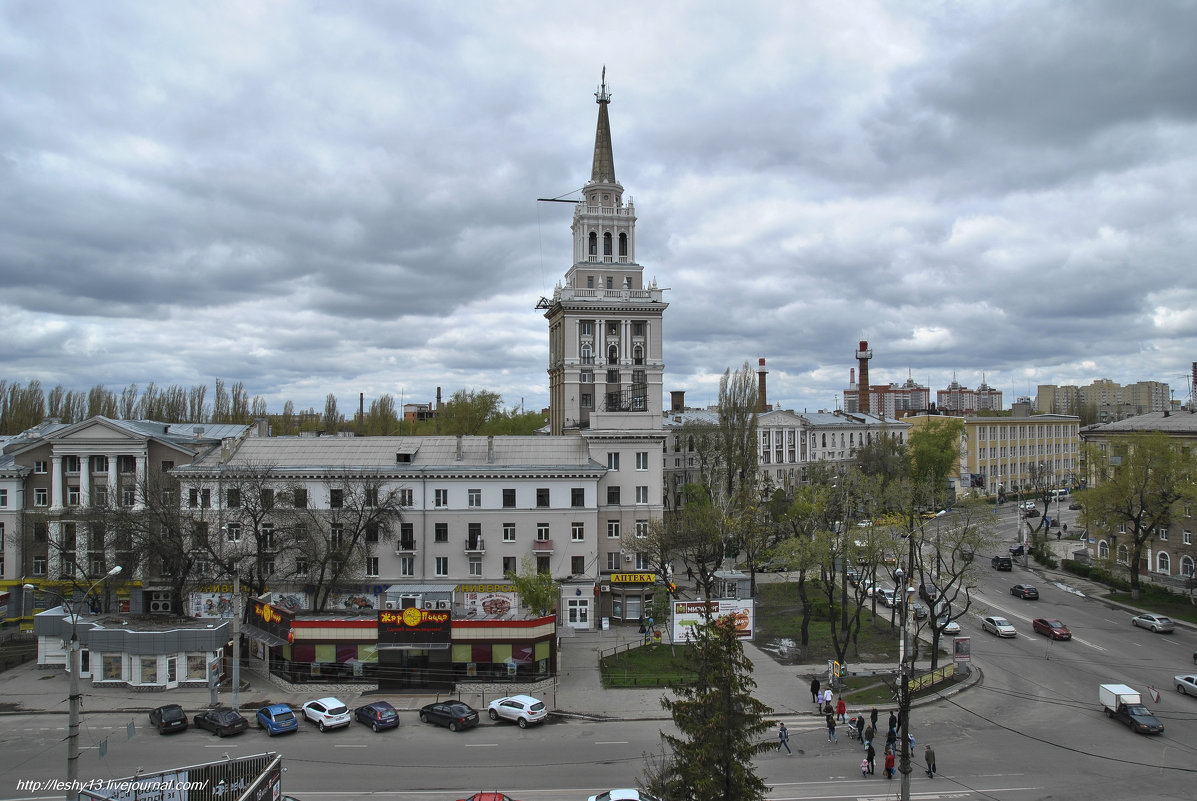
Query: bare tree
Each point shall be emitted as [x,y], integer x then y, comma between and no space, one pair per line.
[332,418]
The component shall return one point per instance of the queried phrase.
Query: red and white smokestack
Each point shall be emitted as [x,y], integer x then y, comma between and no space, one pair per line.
[863,354]
[761,372]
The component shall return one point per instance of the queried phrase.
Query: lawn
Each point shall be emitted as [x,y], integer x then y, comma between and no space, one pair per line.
[646,666]
[779,616]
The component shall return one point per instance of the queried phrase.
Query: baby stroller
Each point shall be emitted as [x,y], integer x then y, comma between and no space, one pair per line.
[853,732]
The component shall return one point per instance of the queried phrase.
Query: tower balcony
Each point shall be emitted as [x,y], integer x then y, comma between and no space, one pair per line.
[475,545]
[405,547]
[542,546]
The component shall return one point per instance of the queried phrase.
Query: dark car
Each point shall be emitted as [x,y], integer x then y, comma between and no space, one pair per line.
[277,719]
[488,797]
[378,715]
[1002,563]
[1031,513]
[221,721]
[928,592]
[1074,506]
[1025,591]
[454,715]
[1052,628]
[170,717]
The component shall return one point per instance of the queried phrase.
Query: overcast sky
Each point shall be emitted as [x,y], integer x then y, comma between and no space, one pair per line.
[316,197]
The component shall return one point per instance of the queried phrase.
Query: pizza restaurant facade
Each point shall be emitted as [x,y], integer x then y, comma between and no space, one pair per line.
[412,648]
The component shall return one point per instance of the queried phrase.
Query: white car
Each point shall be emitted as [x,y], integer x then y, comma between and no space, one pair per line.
[623,795]
[950,627]
[523,709]
[1186,685]
[999,626]
[327,713]
[886,596]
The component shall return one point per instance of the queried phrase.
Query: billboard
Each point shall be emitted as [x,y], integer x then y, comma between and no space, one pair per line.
[687,614]
[413,626]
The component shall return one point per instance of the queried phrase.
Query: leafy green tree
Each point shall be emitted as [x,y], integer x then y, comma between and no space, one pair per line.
[1134,486]
[719,721]
[538,591]
[467,412]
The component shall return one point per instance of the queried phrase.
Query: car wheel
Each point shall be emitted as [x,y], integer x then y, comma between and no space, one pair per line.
[423,718]
[374,726]
[320,725]
[1109,714]
[452,725]
[523,723]
[494,715]
[221,732]
[1180,688]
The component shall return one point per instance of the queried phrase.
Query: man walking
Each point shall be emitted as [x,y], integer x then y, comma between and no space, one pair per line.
[860,726]
[783,736]
[929,756]
[868,736]
[831,738]
[814,689]
[870,755]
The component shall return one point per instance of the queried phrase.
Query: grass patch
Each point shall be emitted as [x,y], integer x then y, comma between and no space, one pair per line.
[646,666]
[779,616]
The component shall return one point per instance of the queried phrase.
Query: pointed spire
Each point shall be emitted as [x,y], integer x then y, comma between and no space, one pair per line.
[604,161]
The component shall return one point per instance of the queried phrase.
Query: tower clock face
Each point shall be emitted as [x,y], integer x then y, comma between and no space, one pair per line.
[606,198]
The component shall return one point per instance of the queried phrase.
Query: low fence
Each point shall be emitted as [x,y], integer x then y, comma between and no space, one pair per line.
[933,677]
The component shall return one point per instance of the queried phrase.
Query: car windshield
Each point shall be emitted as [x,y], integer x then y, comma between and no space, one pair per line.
[337,710]
[1055,624]
[385,712]
[1001,621]
[1137,709]
[1163,621]
[287,715]
[172,713]
[536,707]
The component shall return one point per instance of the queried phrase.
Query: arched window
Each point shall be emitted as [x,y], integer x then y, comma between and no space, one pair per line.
[824,439]
[690,444]
[586,357]
[1163,563]
[637,355]
[593,244]
[612,354]
[1123,555]
[623,244]
[1186,565]
[607,244]
[1103,550]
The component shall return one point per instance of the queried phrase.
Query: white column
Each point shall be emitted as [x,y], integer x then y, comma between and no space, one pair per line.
[625,330]
[112,480]
[140,477]
[85,481]
[56,480]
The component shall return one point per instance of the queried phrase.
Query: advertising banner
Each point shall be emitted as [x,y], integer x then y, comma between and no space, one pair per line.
[414,626]
[687,614]
[490,600]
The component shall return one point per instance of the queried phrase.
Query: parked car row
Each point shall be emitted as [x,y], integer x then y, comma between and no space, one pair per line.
[331,713]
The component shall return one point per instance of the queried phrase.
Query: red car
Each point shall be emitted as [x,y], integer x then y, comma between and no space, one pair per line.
[1052,628]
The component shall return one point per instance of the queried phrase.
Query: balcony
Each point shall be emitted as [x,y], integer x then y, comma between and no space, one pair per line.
[542,546]
[475,545]
[405,546]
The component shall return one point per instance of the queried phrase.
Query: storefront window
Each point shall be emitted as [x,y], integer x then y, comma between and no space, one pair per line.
[149,670]
[633,607]
[197,666]
[112,667]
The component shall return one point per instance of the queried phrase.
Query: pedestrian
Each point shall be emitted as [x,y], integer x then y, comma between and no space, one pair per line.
[690,574]
[889,764]
[868,736]
[864,767]
[929,756]
[827,696]
[841,709]
[873,718]
[783,737]
[814,689]
[831,738]
[860,727]
[891,737]
[870,756]
[893,721]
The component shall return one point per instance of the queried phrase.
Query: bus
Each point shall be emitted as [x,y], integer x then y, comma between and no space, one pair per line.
[1059,494]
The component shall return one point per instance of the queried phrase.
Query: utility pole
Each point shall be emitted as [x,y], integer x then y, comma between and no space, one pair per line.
[904,766]
[237,639]
[74,653]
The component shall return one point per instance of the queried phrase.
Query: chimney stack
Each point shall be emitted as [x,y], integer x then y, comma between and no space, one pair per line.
[677,400]
[863,354]
[761,372]
[438,399]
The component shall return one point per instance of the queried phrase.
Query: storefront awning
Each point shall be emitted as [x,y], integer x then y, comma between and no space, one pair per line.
[255,633]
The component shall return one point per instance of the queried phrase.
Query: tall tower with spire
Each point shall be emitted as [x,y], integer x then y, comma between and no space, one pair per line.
[605,336]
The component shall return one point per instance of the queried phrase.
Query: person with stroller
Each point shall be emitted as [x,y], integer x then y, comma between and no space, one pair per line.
[860,727]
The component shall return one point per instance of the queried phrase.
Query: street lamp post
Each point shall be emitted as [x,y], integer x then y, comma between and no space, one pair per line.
[73,660]
[904,681]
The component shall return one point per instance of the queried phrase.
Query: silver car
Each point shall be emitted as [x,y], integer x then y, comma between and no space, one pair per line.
[1157,623]
[999,626]
[523,709]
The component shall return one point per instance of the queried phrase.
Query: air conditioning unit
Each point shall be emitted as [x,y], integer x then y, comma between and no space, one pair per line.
[605,588]
[390,605]
[159,602]
[429,605]
[627,557]
[442,604]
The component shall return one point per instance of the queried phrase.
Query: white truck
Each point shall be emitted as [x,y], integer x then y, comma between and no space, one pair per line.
[1126,704]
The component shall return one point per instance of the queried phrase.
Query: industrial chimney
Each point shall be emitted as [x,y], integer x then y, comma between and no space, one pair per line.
[863,354]
[761,372]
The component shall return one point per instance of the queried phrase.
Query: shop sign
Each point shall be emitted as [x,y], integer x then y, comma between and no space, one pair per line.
[412,625]
[633,578]
[351,601]
[688,614]
[271,619]
[492,600]
[211,604]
